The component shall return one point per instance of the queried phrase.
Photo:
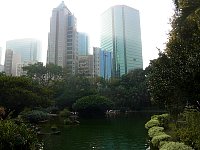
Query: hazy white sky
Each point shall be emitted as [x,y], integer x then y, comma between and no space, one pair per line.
[31,18]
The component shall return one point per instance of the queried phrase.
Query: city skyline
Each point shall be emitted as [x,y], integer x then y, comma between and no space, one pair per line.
[154,21]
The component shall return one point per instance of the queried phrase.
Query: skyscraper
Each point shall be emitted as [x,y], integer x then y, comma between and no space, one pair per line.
[8,61]
[0,55]
[121,35]
[63,39]
[83,43]
[29,49]
[19,52]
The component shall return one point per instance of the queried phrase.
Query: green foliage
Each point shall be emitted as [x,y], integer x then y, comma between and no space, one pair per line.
[151,123]
[34,116]
[157,139]
[155,131]
[129,92]
[174,78]
[44,75]
[189,132]
[20,92]
[64,113]
[17,136]
[175,146]
[164,120]
[70,89]
[93,104]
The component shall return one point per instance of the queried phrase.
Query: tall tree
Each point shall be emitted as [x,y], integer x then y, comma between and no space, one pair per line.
[175,75]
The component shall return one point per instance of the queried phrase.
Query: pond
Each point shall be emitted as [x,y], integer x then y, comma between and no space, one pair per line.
[123,132]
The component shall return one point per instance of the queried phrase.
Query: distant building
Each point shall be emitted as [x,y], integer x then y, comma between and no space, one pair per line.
[121,35]
[21,51]
[8,62]
[102,63]
[86,65]
[1,68]
[0,55]
[63,39]
[16,60]
[29,49]
[83,44]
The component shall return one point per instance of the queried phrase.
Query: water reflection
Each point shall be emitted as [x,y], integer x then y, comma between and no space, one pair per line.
[123,132]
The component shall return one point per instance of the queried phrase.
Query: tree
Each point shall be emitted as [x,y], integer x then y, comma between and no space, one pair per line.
[20,92]
[174,79]
[45,75]
[92,105]
[70,89]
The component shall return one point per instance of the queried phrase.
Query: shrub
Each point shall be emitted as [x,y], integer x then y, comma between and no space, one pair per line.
[164,120]
[175,146]
[157,139]
[189,131]
[92,105]
[17,136]
[64,113]
[34,116]
[151,123]
[155,131]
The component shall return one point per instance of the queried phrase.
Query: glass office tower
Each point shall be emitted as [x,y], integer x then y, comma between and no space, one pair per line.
[83,44]
[29,49]
[121,35]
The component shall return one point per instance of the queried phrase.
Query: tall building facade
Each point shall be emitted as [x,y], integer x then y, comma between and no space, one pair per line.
[8,62]
[102,63]
[121,35]
[29,49]
[86,65]
[83,44]
[63,39]
[19,52]
[0,55]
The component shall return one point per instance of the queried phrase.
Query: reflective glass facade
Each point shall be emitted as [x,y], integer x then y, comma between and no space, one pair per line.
[83,43]
[121,35]
[28,49]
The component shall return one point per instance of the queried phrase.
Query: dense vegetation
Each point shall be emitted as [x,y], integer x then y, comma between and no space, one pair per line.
[174,79]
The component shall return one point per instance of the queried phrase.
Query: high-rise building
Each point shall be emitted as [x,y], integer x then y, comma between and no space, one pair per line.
[83,42]
[63,39]
[0,55]
[86,65]
[29,49]
[21,51]
[121,35]
[102,63]
[8,62]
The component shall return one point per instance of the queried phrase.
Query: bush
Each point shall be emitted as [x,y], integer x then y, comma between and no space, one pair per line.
[34,116]
[151,123]
[164,120]
[155,131]
[189,131]
[17,136]
[92,105]
[64,113]
[175,146]
[157,139]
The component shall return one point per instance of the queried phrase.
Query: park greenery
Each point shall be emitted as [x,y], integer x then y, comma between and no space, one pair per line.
[47,91]
[173,82]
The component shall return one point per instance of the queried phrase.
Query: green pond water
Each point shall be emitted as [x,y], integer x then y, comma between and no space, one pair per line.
[123,132]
